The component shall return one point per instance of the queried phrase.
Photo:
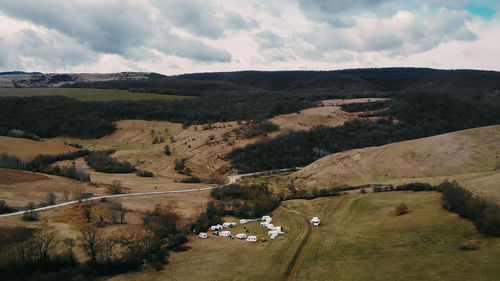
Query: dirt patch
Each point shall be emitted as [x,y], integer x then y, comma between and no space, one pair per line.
[8,176]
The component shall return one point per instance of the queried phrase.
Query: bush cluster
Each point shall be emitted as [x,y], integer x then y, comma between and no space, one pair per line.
[101,161]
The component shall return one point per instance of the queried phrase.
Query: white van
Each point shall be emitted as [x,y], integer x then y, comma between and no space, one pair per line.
[203,235]
[267,218]
[272,234]
[225,233]
[228,224]
[252,238]
[241,236]
[270,226]
[216,227]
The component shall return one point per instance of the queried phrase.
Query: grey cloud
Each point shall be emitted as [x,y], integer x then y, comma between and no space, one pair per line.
[384,35]
[269,40]
[338,13]
[48,51]
[173,44]
[109,27]
[194,16]
[235,21]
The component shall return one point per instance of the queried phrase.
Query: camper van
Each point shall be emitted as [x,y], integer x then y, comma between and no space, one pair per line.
[241,236]
[267,218]
[203,235]
[225,233]
[270,226]
[272,234]
[243,221]
[315,221]
[216,227]
[264,224]
[228,224]
[252,238]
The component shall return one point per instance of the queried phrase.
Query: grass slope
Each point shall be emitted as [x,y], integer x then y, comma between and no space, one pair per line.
[29,149]
[86,94]
[361,239]
[463,152]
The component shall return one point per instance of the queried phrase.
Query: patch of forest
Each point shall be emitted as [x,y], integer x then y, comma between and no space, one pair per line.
[418,115]
[52,116]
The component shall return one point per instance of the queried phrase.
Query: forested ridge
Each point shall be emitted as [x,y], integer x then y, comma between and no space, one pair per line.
[417,115]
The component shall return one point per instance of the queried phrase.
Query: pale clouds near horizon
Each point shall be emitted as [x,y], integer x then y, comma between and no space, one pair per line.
[182,36]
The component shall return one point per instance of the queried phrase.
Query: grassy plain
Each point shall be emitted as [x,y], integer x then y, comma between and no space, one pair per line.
[86,94]
[360,239]
[29,149]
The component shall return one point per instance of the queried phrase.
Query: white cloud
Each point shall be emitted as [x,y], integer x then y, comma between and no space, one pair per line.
[176,36]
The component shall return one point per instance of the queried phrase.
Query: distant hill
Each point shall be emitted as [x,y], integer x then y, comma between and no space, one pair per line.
[469,151]
[18,72]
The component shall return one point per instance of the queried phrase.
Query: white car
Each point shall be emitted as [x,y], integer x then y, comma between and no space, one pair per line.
[203,235]
[241,236]
[252,238]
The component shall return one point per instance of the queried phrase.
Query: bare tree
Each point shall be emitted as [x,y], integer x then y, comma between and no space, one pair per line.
[50,198]
[30,214]
[44,243]
[91,242]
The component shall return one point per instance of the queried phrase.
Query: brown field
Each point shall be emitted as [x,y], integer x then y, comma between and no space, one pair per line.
[465,155]
[29,149]
[8,176]
[20,193]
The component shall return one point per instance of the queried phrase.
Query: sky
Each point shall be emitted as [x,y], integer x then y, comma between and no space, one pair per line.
[186,36]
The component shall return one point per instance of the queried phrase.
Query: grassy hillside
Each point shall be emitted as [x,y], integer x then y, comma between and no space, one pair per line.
[362,239]
[448,155]
[85,94]
[29,149]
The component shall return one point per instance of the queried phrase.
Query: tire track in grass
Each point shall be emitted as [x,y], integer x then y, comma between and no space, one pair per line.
[299,254]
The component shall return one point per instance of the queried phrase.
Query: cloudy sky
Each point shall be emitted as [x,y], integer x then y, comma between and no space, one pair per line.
[182,36]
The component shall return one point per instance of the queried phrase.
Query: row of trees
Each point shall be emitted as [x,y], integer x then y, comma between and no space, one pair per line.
[44,164]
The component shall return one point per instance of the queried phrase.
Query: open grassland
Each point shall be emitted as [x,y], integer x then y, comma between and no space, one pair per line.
[86,94]
[8,176]
[19,191]
[29,149]
[218,258]
[362,239]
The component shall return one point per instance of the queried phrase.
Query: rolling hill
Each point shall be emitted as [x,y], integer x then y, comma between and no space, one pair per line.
[460,155]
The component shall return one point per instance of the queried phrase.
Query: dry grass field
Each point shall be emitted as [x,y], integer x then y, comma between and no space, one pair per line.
[360,238]
[464,155]
[29,149]
[19,191]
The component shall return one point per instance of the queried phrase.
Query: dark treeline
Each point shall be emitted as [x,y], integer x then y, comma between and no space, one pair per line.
[52,116]
[484,213]
[44,163]
[418,115]
[364,106]
[101,161]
